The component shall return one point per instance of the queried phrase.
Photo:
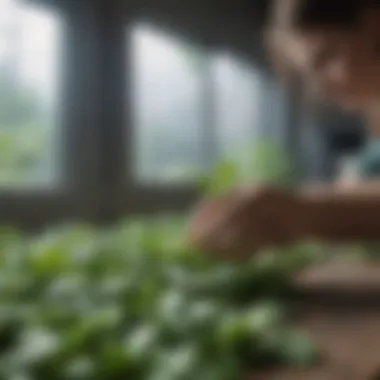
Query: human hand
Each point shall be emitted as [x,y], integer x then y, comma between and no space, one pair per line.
[236,224]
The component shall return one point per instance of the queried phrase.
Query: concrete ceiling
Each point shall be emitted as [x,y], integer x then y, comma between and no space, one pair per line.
[231,24]
[234,25]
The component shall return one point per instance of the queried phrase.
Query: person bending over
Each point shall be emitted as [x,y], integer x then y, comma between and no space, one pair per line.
[332,47]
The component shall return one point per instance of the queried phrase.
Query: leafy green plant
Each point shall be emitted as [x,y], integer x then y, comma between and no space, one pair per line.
[136,301]
[263,162]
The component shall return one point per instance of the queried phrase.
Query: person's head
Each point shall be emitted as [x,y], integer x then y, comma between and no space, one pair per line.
[333,45]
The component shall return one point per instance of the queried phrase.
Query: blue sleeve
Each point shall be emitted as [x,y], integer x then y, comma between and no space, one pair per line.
[369,164]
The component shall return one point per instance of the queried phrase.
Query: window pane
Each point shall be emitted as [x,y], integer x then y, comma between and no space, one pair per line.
[167,106]
[237,104]
[29,57]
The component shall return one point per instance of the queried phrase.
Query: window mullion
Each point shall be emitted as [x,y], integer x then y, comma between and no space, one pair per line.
[80,132]
[114,115]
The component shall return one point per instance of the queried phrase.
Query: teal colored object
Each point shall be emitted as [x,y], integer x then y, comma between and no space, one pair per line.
[369,160]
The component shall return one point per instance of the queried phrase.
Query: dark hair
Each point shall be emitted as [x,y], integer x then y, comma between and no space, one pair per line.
[324,13]
[310,14]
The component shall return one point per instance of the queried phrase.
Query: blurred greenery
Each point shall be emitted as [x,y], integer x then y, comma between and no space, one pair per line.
[23,131]
[263,162]
[136,301]
[22,152]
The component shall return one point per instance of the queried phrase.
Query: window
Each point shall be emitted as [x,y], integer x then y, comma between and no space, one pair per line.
[61,70]
[30,42]
[237,110]
[167,93]
[191,106]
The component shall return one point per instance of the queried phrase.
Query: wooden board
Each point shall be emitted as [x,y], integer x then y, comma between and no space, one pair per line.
[350,342]
[347,332]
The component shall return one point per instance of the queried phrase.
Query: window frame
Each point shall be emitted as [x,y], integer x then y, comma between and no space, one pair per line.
[151,197]
[97,126]
[78,130]
[147,198]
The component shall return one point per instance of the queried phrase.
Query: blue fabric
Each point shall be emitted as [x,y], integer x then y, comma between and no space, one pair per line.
[369,160]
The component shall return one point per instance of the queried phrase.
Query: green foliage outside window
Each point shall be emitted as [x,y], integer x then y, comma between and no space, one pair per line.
[23,131]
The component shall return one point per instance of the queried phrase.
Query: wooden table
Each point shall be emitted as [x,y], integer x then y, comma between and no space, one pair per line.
[340,310]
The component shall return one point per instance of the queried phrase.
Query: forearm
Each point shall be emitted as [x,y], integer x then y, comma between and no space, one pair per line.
[345,213]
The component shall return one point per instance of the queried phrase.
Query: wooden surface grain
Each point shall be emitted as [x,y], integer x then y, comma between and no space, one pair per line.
[350,342]
[349,336]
